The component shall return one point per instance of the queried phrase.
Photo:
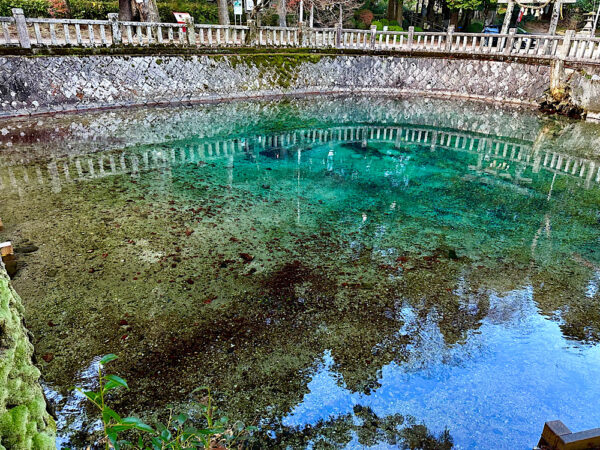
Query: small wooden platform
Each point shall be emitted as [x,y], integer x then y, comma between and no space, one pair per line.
[556,436]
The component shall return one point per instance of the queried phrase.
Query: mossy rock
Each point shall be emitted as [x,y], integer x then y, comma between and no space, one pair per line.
[24,420]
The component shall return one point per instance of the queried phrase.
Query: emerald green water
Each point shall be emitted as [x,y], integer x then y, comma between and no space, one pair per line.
[350,272]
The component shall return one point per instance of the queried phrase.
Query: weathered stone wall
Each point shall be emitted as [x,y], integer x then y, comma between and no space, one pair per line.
[585,92]
[58,83]
[24,422]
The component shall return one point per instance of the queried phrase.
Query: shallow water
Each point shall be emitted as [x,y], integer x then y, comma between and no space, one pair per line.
[344,271]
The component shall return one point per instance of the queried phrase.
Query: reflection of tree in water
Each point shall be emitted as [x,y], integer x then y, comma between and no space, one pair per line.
[364,427]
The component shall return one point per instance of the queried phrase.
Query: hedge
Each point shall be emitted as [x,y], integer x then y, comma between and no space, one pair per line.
[31,8]
[85,9]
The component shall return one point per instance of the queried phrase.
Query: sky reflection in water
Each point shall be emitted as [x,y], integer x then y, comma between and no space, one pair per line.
[492,391]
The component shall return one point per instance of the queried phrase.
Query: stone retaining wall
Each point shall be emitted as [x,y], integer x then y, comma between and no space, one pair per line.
[45,84]
[24,422]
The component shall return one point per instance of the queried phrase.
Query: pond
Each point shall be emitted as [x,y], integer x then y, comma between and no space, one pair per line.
[341,271]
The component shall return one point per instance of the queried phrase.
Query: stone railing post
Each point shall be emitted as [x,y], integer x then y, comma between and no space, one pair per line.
[252,38]
[21,25]
[373,36]
[449,38]
[563,51]
[190,31]
[510,41]
[338,35]
[411,36]
[300,42]
[557,68]
[113,18]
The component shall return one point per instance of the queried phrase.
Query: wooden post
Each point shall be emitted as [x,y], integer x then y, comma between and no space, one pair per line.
[555,15]
[21,25]
[411,35]
[509,42]
[113,18]
[507,17]
[6,249]
[373,36]
[449,38]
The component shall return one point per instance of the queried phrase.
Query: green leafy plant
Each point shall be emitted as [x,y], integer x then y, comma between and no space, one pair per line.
[177,434]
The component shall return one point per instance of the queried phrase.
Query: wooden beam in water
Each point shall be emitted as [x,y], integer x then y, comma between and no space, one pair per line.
[6,249]
[556,436]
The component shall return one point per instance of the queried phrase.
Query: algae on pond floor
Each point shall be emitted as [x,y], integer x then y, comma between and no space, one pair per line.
[284,252]
[24,421]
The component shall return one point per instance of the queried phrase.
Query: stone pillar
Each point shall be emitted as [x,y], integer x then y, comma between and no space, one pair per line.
[373,36]
[338,35]
[21,25]
[113,18]
[509,12]
[190,31]
[252,37]
[301,15]
[449,38]
[557,67]
[411,36]
[311,20]
[555,15]
[509,42]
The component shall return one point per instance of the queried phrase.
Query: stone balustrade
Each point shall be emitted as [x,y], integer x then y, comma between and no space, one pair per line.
[24,32]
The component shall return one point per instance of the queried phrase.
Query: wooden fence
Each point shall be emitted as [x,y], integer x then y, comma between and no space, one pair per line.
[24,32]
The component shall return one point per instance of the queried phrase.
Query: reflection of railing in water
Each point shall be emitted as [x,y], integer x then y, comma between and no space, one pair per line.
[490,150]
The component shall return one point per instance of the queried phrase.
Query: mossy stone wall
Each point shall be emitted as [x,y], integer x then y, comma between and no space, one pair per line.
[24,420]
[43,84]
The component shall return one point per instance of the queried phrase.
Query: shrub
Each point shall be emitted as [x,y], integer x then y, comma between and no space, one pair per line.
[82,9]
[392,25]
[201,12]
[177,434]
[475,27]
[58,8]
[365,16]
[31,8]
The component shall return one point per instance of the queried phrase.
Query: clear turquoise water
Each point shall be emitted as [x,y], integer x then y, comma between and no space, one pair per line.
[340,271]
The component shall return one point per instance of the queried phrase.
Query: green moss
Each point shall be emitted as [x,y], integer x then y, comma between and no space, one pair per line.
[278,68]
[24,421]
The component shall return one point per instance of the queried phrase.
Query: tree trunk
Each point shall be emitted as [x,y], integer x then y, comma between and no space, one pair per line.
[467,15]
[454,17]
[430,11]
[282,11]
[391,10]
[125,12]
[223,12]
[400,12]
[145,10]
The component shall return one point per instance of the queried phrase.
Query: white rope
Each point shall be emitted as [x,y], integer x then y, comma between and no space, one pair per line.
[542,6]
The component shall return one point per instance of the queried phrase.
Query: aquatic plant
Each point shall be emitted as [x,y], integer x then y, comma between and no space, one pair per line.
[178,433]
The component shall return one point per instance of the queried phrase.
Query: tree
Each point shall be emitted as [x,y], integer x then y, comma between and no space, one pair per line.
[282,13]
[395,11]
[142,10]
[467,7]
[223,12]
[327,12]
